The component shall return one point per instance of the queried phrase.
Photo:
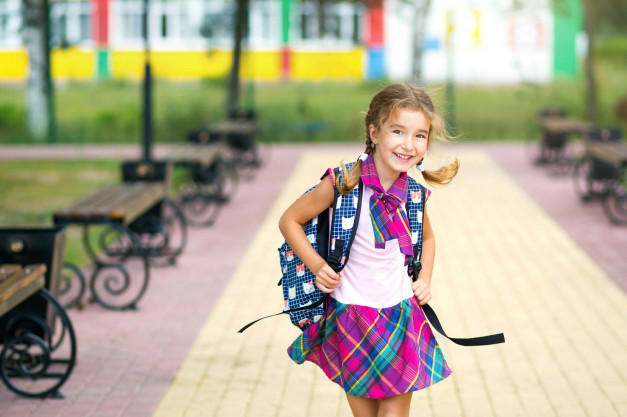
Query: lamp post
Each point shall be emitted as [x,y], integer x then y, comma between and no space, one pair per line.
[450,76]
[147,89]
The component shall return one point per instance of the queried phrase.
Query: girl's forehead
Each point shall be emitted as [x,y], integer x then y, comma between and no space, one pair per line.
[413,115]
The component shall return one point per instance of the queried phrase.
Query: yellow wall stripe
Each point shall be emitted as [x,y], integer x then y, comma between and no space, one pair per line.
[77,63]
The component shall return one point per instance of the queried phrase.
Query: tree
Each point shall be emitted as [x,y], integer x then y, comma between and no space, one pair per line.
[421,10]
[240,29]
[591,84]
[600,17]
[39,93]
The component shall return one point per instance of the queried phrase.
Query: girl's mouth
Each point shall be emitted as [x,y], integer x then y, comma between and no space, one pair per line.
[403,157]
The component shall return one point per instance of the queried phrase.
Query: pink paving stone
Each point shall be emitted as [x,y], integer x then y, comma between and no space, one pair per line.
[20,409]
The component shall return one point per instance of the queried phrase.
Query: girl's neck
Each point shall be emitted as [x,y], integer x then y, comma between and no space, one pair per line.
[386,178]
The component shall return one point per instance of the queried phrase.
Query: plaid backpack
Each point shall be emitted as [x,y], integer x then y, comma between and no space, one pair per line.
[304,302]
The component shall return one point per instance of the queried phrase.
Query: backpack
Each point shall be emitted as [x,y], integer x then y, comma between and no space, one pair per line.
[303,301]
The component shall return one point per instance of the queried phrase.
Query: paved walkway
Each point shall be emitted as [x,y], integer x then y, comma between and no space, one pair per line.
[504,264]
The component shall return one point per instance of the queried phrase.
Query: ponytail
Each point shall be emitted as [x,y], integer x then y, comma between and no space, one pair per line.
[442,175]
[349,179]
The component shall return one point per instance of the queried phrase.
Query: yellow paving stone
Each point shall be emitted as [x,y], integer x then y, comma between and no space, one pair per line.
[501,265]
[324,398]
[420,405]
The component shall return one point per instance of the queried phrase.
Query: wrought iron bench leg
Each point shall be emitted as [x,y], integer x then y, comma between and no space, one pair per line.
[615,201]
[72,286]
[33,363]
[165,240]
[121,256]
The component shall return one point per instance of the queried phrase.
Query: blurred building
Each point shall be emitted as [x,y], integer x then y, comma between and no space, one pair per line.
[474,41]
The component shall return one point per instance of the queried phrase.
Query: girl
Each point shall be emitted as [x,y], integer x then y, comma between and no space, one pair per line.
[375,341]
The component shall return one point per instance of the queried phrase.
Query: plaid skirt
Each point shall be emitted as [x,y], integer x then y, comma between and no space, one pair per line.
[373,352]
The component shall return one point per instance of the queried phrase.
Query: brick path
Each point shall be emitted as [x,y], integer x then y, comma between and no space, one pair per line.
[506,262]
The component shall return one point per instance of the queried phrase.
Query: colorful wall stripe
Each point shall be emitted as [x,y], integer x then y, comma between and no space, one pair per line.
[286,7]
[100,34]
[375,41]
[566,25]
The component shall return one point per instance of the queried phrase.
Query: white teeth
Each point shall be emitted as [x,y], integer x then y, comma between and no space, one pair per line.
[406,157]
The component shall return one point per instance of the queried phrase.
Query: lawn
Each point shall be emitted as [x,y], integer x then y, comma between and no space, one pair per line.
[291,111]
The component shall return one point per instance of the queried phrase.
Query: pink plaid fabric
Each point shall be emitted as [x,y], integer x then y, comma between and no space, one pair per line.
[373,353]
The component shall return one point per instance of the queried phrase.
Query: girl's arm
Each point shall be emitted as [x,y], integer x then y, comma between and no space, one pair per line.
[422,287]
[291,224]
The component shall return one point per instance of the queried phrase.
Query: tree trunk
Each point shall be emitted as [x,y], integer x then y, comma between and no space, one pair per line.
[591,86]
[322,19]
[241,18]
[421,8]
[38,82]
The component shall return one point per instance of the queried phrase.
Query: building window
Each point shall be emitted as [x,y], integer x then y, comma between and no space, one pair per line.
[10,23]
[218,24]
[70,23]
[327,24]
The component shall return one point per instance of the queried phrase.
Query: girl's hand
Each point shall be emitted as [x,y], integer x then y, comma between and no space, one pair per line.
[327,279]
[422,292]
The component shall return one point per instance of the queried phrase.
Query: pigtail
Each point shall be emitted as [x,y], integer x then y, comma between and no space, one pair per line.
[350,178]
[443,175]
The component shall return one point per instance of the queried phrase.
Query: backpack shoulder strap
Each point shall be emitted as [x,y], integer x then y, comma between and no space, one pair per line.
[346,210]
[415,212]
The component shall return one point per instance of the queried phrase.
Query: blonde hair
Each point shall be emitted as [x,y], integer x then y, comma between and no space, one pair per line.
[387,103]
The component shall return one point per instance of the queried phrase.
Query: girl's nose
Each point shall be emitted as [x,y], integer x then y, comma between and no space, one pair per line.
[408,142]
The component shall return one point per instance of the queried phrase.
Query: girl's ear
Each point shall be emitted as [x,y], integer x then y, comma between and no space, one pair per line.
[373,133]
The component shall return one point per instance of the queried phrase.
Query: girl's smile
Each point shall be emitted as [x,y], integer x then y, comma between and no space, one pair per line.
[401,142]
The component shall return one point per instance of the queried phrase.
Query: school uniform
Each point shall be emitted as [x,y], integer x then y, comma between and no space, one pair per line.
[374,340]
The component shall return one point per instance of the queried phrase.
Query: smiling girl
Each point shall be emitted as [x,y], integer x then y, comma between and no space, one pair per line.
[374,340]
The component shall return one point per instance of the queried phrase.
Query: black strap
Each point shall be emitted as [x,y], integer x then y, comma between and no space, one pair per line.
[314,305]
[492,339]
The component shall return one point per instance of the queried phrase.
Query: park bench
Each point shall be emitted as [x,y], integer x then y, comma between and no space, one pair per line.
[213,180]
[600,172]
[37,340]
[238,134]
[556,130]
[129,229]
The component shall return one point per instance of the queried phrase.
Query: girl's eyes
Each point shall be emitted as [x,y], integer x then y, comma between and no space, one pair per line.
[398,132]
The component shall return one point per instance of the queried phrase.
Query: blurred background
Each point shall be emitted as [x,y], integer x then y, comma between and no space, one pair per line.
[72,71]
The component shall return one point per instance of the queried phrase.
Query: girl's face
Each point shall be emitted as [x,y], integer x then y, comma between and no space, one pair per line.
[401,142]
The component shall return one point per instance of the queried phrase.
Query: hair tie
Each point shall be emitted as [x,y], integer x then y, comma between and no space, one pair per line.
[363,156]
[420,166]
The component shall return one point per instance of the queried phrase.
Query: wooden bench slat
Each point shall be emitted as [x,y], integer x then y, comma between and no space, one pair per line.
[86,201]
[9,270]
[20,286]
[142,198]
[613,153]
[96,202]
[233,127]
[123,202]
[564,125]
[200,154]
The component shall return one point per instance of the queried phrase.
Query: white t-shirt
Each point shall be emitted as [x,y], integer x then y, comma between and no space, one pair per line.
[373,277]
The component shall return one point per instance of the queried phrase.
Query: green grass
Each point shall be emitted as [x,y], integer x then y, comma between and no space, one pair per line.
[290,111]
